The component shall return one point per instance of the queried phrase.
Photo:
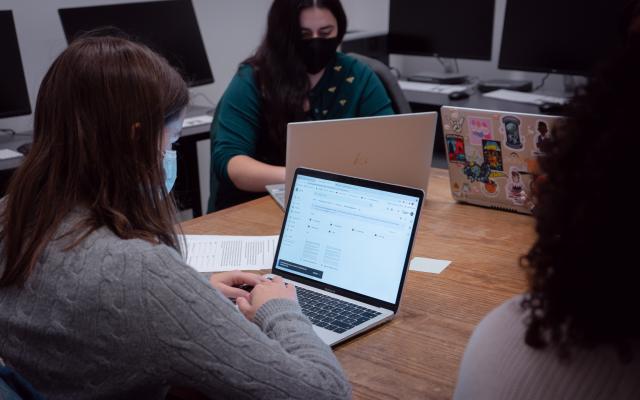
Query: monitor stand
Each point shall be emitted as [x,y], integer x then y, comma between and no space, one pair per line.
[443,78]
[508,84]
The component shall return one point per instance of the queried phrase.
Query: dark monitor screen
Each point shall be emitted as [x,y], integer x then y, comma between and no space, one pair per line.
[567,36]
[444,28]
[14,97]
[168,27]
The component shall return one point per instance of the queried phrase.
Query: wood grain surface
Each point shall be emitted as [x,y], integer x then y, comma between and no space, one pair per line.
[417,355]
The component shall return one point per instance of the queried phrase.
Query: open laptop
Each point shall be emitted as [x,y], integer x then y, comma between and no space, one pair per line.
[277,192]
[492,155]
[345,244]
[395,149]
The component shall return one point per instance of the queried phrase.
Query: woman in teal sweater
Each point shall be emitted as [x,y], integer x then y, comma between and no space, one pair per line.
[295,75]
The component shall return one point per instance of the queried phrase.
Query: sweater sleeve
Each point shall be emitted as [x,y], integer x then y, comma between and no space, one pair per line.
[498,364]
[237,123]
[198,339]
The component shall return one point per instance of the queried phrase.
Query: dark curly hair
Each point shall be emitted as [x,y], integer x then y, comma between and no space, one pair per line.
[582,269]
[630,23]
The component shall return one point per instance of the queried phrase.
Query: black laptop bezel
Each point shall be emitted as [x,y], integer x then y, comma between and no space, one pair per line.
[418,193]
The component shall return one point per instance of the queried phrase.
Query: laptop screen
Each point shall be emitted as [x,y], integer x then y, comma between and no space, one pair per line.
[353,237]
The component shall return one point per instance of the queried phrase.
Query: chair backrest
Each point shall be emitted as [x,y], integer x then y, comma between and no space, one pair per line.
[15,387]
[390,82]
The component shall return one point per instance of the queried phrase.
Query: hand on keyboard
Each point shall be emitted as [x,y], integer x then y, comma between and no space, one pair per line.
[262,293]
[228,283]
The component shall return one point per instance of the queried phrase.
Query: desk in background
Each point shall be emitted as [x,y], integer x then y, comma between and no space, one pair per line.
[187,187]
[7,167]
[417,355]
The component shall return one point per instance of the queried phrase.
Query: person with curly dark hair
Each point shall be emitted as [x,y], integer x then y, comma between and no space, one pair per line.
[575,334]
[631,18]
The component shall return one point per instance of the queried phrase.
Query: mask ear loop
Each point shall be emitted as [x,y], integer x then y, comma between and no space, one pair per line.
[173,125]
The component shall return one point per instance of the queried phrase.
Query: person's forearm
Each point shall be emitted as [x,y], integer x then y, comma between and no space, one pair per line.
[251,175]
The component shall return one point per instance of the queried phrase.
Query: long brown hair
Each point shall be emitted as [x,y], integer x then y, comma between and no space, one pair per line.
[280,72]
[98,137]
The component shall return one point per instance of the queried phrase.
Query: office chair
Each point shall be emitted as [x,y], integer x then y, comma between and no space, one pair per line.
[14,387]
[389,80]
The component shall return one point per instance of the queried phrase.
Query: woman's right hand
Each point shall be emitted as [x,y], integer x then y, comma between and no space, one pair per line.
[262,293]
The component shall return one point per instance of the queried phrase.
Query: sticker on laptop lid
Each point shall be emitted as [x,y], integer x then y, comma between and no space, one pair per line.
[492,154]
[454,122]
[466,189]
[455,148]
[456,188]
[490,188]
[542,134]
[511,128]
[516,187]
[477,172]
[479,130]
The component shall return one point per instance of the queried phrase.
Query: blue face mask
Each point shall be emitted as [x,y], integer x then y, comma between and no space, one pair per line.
[170,159]
[170,165]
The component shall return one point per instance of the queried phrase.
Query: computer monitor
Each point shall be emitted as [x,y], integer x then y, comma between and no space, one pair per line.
[14,97]
[444,28]
[567,37]
[169,27]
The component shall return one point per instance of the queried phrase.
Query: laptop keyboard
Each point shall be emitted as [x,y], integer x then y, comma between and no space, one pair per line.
[330,313]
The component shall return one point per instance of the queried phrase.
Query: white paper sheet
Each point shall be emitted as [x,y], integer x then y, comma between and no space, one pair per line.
[215,253]
[197,120]
[522,97]
[431,87]
[422,264]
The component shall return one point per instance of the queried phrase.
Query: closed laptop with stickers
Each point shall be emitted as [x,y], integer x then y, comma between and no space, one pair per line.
[492,155]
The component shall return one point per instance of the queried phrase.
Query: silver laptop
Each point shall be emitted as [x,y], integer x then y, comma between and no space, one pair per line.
[492,155]
[277,192]
[395,149]
[345,244]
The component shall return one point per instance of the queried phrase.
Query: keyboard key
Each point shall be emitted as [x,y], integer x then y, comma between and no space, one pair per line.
[331,313]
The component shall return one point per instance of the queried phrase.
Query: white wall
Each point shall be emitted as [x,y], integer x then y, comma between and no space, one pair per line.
[367,15]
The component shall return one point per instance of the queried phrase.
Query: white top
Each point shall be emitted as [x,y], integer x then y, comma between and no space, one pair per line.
[497,364]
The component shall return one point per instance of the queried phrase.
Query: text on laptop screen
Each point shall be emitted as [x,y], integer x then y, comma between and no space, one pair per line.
[352,237]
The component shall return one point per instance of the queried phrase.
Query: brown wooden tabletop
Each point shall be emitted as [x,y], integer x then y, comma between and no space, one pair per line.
[417,355]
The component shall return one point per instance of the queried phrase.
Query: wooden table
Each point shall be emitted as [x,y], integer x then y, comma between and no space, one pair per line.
[417,355]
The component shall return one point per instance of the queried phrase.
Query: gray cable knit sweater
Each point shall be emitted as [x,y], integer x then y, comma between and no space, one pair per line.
[115,318]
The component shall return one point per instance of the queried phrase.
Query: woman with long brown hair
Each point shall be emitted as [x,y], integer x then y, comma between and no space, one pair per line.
[95,298]
[296,74]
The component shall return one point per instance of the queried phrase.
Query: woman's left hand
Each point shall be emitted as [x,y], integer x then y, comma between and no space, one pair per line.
[227,283]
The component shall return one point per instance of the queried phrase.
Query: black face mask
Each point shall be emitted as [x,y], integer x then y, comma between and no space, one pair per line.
[317,53]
